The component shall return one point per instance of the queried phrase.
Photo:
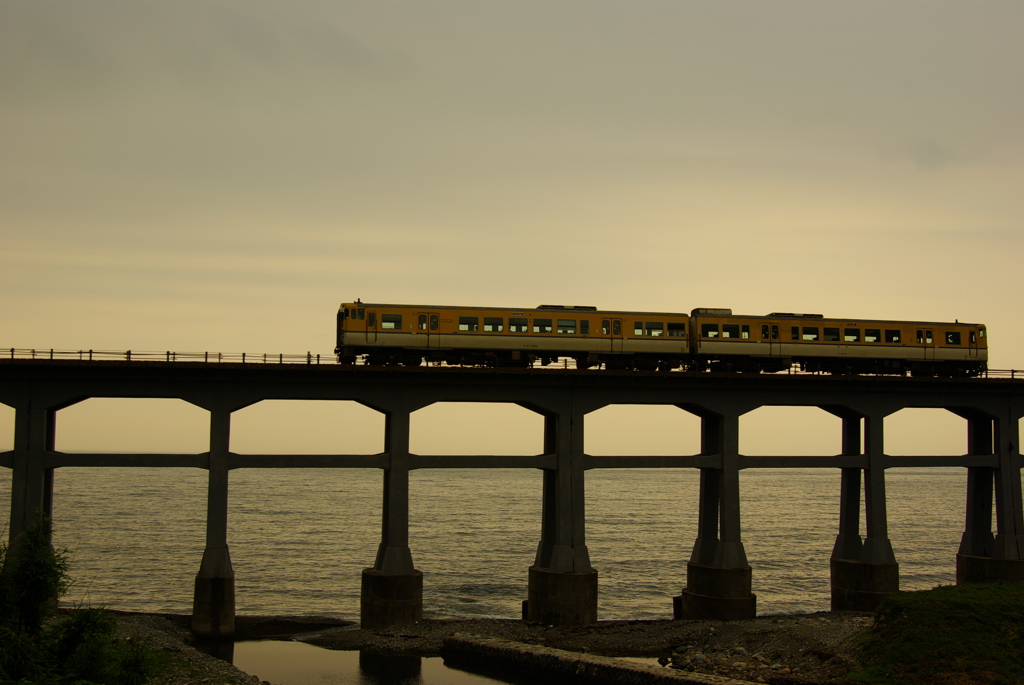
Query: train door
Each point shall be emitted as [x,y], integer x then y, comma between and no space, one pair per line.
[972,344]
[770,340]
[371,327]
[429,324]
[612,330]
[926,340]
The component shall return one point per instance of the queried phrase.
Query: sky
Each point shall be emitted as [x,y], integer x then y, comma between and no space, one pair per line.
[220,175]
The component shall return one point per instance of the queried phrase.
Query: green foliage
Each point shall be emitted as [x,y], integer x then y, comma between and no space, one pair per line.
[966,634]
[33,577]
[79,649]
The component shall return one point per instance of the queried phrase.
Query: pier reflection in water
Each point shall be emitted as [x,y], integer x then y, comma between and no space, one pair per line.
[297,663]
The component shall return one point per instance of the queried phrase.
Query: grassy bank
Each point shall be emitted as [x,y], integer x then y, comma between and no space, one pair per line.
[962,635]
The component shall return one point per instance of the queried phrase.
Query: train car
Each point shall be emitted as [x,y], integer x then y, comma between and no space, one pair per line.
[780,340]
[410,334]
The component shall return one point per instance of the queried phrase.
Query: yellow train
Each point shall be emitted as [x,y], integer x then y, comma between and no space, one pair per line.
[704,339]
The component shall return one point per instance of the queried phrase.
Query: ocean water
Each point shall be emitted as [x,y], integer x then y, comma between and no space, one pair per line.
[300,538]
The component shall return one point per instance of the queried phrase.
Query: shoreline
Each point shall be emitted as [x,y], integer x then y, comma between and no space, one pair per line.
[788,649]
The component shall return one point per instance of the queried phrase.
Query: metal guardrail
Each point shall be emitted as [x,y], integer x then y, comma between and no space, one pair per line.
[308,358]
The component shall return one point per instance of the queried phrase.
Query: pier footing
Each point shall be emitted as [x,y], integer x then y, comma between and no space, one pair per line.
[716,593]
[857,586]
[564,599]
[971,569]
[388,601]
[213,608]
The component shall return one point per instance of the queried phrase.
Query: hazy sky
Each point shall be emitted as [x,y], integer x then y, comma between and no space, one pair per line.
[220,174]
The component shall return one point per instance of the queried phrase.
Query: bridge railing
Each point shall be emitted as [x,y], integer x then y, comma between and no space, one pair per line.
[308,358]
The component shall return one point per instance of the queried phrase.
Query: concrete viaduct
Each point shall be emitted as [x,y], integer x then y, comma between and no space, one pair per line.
[563,585]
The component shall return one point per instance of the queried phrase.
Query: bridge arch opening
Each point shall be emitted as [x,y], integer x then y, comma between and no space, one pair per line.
[484,428]
[925,432]
[133,424]
[641,429]
[307,427]
[474,534]
[790,431]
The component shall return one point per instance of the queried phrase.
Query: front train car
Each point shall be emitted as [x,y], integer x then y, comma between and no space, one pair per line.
[478,336]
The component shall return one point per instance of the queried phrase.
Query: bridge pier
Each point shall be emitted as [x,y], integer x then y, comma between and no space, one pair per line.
[863,573]
[562,583]
[392,590]
[213,603]
[718,577]
[982,557]
[31,482]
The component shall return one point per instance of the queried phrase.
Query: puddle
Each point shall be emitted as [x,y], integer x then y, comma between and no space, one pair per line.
[296,663]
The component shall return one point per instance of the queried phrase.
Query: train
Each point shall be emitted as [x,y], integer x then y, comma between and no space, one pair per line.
[705,339]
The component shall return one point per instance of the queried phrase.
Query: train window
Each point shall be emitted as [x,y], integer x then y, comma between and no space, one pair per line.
[655,329]
[676,330]
[775,332]
[422,322]
[730,330]
[371,321]
[794,332]
[872,335]
[892,335]
[605,329]
[616,327]
[851,335]
[469,324]
[433,322]
[566,327]
[638,328]
[981,333]
[709,330]
[517,325]
[494,324]
[927,337]
[362,314]
[974,338]
[920,337]
[810,333]
[764,331]
[831,334]
[391,322]
[584,326]
[952,337]
[745,331]
[542,325]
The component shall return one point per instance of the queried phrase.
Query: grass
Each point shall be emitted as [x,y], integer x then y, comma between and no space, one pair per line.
[952,635]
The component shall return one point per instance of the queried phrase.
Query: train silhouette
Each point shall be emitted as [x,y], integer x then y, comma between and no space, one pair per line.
[704,340]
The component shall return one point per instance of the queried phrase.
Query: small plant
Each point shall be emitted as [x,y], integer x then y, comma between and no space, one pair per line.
[79,648]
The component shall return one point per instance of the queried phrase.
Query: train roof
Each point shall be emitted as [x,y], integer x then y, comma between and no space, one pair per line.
[540,309]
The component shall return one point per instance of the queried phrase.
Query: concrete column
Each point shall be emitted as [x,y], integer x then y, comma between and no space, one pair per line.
[982,558]
[31,482]
[213,606]
[718,577]
[845,562]
[859,585]
[562,583]
[392,590]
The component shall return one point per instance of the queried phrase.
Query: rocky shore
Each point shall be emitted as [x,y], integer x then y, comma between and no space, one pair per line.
[782,650]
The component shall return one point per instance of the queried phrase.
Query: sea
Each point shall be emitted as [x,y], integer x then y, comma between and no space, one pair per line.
[300,538]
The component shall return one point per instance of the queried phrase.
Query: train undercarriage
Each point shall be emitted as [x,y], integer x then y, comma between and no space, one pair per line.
[665,363]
